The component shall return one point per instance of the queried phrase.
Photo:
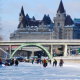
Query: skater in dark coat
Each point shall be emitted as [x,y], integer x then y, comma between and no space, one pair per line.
[12,62]
[50,61]
[16,62]
[55,62]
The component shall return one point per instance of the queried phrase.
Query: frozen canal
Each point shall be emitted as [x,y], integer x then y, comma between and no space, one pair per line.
[28,71]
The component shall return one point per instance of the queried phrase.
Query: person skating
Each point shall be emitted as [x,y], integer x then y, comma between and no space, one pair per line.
[16,62]
[32,61]
[12,62]
[0,61]
[44,63]
[50,61]
[61,63]
[7,63]
[55,62]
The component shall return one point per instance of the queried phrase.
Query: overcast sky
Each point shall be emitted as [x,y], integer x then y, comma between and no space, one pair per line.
[10,10]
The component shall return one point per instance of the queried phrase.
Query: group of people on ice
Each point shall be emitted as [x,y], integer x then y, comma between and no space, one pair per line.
[9,62]
[40,61]
[60,63]
[45,62]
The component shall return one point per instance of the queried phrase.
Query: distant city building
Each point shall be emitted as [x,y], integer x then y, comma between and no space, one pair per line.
[62,28]
[77,22]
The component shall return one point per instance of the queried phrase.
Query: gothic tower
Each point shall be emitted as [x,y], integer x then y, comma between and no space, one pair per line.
[59,21]
[21,15]
[60,18]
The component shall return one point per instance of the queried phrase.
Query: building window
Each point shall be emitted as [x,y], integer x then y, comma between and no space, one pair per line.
[58,24]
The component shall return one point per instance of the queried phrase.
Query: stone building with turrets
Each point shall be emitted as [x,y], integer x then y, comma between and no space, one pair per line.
[62,28]
[64,25]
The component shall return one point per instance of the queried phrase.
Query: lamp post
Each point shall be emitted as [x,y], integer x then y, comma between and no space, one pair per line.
[9,32]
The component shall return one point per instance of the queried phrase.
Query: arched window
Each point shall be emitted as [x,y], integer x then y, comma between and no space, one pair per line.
[58,24]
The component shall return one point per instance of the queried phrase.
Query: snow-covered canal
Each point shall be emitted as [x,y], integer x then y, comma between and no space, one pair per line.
[28,71]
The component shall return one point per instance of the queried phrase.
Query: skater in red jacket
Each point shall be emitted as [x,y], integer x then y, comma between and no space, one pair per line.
[44,63]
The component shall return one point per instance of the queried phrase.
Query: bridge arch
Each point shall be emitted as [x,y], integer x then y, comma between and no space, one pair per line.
[32,44]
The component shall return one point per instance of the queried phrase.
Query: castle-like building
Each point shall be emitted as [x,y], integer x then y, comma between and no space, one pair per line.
[62,27]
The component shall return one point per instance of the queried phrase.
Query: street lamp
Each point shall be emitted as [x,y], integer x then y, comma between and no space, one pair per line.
[9,32]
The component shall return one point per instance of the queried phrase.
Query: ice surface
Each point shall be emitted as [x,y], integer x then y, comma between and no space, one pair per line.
[28,71]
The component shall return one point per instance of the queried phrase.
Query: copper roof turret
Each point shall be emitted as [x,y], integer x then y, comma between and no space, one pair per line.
[61,8]
[22,11]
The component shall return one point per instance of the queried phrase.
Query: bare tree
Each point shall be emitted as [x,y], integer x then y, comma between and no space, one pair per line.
[1,38]
[0,22]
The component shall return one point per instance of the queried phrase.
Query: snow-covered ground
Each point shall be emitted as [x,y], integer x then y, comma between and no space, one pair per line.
[28,71]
